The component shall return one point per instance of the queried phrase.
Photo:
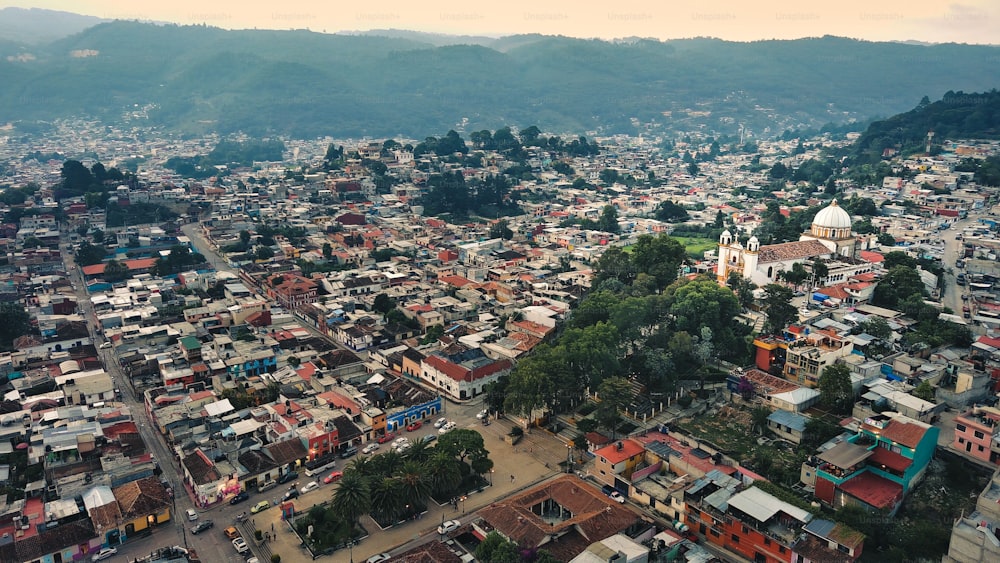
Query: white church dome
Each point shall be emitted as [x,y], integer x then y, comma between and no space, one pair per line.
[832,217]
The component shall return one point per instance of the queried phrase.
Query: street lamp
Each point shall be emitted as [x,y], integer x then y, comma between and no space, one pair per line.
[463,497]
[569,458]
[350,547]
[491,476]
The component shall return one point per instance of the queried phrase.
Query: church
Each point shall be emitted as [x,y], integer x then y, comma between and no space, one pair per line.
[829,240]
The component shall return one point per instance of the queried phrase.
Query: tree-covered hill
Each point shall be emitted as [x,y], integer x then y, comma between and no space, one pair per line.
[307,84]
[956,115]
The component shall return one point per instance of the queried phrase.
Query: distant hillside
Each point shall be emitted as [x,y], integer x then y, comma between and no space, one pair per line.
[955,116]
[35,26]
[312,84]
[435,39]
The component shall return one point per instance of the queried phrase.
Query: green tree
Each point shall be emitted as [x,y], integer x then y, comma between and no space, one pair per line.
[433,333]
[614,394]
[924,391]
[672,213]
[796,275]
[352,497]
[899,284]
[115,271]
[897,258]
[14,322]
[743,288]
[608,221]
[660,257]
[89,254]
[501,230]
[383,303]
[836,392]
[759,417]
[778,307]
[415,486]
[264,253]
[462,444]
[497,549]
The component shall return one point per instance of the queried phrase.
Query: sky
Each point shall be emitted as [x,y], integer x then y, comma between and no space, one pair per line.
[967,21]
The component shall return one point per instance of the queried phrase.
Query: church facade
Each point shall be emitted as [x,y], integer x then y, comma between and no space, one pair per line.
[829,239]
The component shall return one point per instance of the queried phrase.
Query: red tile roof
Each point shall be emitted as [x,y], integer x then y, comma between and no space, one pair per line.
[137,264]
[907,433]
[614,455]
[791,251]
[889,459]
[873,257]
[874,490]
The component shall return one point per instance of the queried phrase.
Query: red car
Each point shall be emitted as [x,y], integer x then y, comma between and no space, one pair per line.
[335,476]
[388,436]
[414,426]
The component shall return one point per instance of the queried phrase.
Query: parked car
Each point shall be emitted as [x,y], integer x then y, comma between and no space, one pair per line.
[191,514]
[201,526]
[240,497]
[414,426]
[266,486]
[290,494]
[262,505]
[288,477]
[386,437]
[447,428]
[349,452]
[440,422]
[232,533]
[333,477]
[309,487]
[617,497]
[449,526]
[104,553]
[378,558]
[607,489]
[240,545]
[485,413]
[370,448]
[429,438]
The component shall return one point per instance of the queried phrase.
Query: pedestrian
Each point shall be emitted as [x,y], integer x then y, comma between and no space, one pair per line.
[512,478]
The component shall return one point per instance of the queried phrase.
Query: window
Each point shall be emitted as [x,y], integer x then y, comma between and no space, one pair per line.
[980,448]
[781,549]
[746,530]
[736,538]
[961,440]
[978,434]
[960,427]
[714,532]
[767,541]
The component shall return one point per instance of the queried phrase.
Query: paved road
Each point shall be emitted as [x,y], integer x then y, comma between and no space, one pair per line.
[210,548]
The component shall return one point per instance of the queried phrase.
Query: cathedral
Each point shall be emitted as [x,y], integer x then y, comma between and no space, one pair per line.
[829,238]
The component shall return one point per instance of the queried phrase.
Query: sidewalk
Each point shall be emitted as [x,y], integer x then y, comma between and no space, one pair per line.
[526,462]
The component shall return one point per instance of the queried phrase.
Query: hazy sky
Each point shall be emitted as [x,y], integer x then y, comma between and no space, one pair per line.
[967,21]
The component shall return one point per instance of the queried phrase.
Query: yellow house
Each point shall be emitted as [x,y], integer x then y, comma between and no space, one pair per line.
[144,504]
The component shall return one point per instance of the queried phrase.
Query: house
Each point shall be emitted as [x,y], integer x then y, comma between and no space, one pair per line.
[806,358]
[977,434]
[975,537]
[878,465]
[788,425]
[461,372]
[760,527]
[144,504]
[618,459]
[576,514]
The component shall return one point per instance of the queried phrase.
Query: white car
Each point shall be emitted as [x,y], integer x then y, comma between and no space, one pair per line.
[483,414]
[192,515]
[617,497]
[309,487]
[440,422]
[378,558]
[449,526]
[240,545]
[403,447]
[370,448]
[104,553]
[400,440]
[447,428]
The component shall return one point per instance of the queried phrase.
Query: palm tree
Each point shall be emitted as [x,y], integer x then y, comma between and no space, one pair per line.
[386,464]
[418,451]
[416,487]
[363,465]
[445,473]
[352,497]
[386,499]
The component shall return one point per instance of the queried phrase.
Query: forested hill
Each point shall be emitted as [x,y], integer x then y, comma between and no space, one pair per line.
[956,115]
[308,84]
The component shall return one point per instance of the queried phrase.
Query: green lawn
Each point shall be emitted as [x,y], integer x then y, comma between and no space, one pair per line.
[695,246]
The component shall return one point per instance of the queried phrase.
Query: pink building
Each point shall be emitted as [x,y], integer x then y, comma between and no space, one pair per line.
[977,435]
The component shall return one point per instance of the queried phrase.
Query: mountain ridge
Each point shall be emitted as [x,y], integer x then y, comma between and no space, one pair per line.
[315,84]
